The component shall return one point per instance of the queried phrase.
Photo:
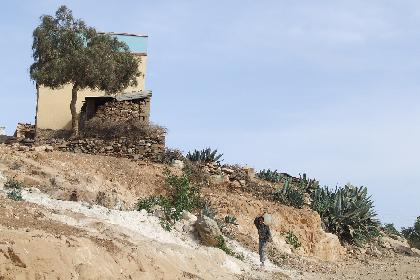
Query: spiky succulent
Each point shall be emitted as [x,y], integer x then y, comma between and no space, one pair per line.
[205,156]
[290,195]
[269,175]
[347,212]
[309,185]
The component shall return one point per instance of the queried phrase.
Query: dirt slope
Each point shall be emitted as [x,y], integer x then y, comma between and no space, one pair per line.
[99,236]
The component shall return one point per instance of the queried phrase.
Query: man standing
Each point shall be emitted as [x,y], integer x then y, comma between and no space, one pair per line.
[264,236]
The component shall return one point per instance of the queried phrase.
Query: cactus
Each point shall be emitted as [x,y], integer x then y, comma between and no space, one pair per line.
[271,176]
[205,155]
[290,195]
[309,185]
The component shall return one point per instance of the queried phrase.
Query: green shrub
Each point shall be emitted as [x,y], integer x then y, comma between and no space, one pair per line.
[289,195]
[205,156]
[181,196]
[14,189]
[412,234]
[292,239]
[229,219]
[347,212]
[271,176]
[147,203]
[15,194]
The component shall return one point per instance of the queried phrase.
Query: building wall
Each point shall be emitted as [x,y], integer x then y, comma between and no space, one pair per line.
[53,108]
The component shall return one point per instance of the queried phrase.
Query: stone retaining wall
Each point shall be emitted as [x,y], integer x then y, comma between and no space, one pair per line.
[118,129]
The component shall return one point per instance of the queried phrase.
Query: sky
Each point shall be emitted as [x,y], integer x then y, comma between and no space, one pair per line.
[327,88]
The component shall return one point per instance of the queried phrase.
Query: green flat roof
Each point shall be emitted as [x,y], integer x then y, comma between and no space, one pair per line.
[136,43]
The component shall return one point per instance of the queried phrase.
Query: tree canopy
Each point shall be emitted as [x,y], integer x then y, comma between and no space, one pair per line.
[67,51]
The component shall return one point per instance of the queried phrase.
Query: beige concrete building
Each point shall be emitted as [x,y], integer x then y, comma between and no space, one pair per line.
[53,105]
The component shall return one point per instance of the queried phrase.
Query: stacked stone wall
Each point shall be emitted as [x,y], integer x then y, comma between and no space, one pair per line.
[117,129]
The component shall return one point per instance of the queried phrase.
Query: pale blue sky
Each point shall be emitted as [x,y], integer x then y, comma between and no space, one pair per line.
[330,88]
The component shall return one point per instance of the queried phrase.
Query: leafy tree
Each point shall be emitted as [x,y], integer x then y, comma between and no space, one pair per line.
[66,50]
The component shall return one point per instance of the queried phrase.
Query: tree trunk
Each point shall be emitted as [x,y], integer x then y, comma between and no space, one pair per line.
[74,118]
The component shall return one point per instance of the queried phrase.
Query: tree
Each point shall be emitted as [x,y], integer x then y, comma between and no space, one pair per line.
[67,51]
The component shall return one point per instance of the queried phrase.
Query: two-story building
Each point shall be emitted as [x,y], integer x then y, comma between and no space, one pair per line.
[53,105]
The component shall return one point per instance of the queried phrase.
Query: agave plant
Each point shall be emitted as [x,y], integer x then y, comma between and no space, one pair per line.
[347,212]
[269,175]
[309,185]
[289,195]
[205,155]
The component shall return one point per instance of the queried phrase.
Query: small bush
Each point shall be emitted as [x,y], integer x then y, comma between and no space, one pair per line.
[204,156]
[271,176]
[229,219]
[15,194]
[292,239]
[14,189]
[290,196]
[181,196]
[147,203]
[412,234]
[13,184]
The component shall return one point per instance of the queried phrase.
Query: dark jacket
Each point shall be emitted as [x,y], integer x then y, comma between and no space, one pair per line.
[264,233]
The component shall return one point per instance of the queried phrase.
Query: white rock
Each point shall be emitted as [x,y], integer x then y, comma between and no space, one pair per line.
[39,148]
[178,164]
[189,217]
[49,148]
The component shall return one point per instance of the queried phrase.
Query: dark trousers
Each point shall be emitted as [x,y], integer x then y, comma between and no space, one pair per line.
[262,245]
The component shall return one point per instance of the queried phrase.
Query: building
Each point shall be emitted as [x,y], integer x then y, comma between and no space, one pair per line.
[53,105]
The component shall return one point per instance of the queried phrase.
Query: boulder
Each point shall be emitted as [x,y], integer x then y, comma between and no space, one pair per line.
[416,252]
[208,231]
[398,246]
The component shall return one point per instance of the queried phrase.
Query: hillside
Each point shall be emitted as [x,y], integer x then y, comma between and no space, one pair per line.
[77,220]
